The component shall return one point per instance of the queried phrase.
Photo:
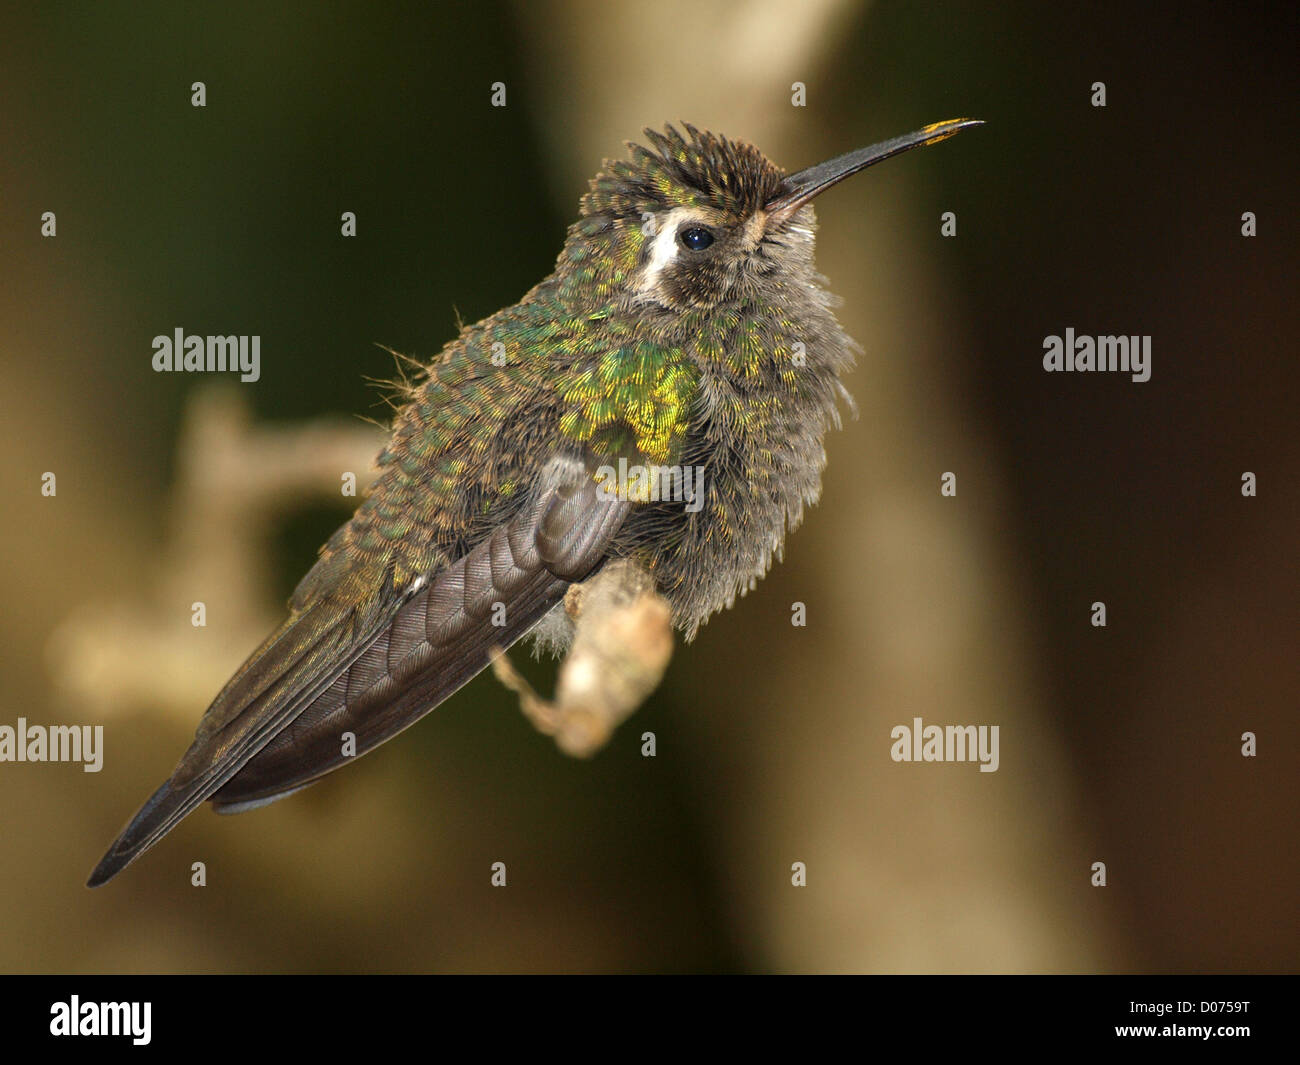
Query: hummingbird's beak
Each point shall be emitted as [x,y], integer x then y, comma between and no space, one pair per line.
[798,189]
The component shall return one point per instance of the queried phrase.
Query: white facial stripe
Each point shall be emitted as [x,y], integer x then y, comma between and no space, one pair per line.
[664,248]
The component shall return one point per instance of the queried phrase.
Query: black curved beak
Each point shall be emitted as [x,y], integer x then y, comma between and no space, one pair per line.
[798,189]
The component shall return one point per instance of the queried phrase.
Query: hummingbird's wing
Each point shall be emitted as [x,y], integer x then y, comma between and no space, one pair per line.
[279,723]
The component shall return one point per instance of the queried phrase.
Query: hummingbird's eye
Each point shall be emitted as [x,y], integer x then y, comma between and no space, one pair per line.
[696,238]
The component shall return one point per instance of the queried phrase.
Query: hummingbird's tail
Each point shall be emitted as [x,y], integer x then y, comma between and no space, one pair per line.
[327,688]
[269,690]
[156,818]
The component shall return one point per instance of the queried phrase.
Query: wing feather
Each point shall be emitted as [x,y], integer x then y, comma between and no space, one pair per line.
[278,724]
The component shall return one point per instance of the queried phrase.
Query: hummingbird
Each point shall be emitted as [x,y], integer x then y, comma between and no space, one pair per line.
[685,325]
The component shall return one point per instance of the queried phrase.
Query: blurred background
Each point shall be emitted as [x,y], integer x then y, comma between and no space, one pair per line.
[1118,744]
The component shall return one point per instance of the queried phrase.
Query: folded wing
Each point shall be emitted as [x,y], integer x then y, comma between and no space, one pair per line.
[280,722]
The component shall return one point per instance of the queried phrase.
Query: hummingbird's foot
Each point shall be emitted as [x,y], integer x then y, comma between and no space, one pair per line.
[620,652]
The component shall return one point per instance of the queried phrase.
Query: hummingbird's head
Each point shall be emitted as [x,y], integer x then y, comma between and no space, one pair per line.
[685,217]
[695,221]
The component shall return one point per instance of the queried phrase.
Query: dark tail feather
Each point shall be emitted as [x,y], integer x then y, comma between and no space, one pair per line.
[270,689]
[155,819]
[277,725]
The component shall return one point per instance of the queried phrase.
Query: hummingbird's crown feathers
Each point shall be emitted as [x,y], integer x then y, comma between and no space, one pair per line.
[697,169]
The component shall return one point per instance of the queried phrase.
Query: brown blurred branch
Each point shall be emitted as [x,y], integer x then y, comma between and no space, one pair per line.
[621,648]
[235,478]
